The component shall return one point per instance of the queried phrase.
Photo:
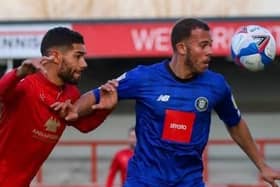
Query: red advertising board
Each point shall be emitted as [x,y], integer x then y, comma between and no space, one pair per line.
[152,39]
[126,39]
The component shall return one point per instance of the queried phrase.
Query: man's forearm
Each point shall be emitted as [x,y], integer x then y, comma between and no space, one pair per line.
[84,104]
[242,136]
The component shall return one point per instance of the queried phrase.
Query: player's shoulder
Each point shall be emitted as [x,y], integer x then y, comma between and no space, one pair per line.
[71,88]
[144,74]
[31,80]
[150,67]
[214,77]
[146,71]
[72,91]
[216,81]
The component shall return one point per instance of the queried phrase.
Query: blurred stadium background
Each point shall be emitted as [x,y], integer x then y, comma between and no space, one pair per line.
[122,34]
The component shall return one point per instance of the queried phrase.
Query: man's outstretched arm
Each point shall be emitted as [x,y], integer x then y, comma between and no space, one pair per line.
[242,136]
[86,114]
[10,80]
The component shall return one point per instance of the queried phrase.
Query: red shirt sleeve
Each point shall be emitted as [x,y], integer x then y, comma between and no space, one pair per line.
[91,122]
[8,83]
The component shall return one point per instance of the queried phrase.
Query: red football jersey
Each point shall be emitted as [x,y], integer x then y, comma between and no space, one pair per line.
[119,164]
[29,128]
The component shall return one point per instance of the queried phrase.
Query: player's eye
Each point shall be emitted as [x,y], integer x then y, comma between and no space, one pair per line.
[205,44]
[78,56]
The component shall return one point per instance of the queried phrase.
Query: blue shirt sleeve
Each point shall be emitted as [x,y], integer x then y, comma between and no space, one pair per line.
[227,108]
[129,84]
[96,94]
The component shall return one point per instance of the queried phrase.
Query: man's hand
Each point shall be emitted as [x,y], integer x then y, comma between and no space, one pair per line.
[65,110]
[269,175]
[108,96]
[108,101]
[30,66]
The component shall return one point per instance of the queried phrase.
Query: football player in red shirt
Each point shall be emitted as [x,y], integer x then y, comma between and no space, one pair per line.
[120,160]
[30,127]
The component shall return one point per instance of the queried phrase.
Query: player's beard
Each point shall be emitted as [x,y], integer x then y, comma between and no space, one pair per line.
[190,63]
[66,73]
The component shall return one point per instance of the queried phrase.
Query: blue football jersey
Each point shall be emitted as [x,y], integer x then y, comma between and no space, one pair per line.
[173,121]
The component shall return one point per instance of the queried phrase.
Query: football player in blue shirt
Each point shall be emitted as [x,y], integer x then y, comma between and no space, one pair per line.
[174,100]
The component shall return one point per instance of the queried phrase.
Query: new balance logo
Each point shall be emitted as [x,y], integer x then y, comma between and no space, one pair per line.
[163,98]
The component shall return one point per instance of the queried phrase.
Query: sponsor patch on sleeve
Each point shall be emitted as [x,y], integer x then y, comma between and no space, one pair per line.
[178,126]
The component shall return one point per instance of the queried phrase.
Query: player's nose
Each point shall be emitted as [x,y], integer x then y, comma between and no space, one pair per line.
[83,63]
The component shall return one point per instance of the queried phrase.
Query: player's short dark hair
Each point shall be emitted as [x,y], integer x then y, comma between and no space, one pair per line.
[183,28]
[60,37]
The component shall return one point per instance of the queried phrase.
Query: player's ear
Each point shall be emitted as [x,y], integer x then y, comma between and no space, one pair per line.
[181,48]
[56,56]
